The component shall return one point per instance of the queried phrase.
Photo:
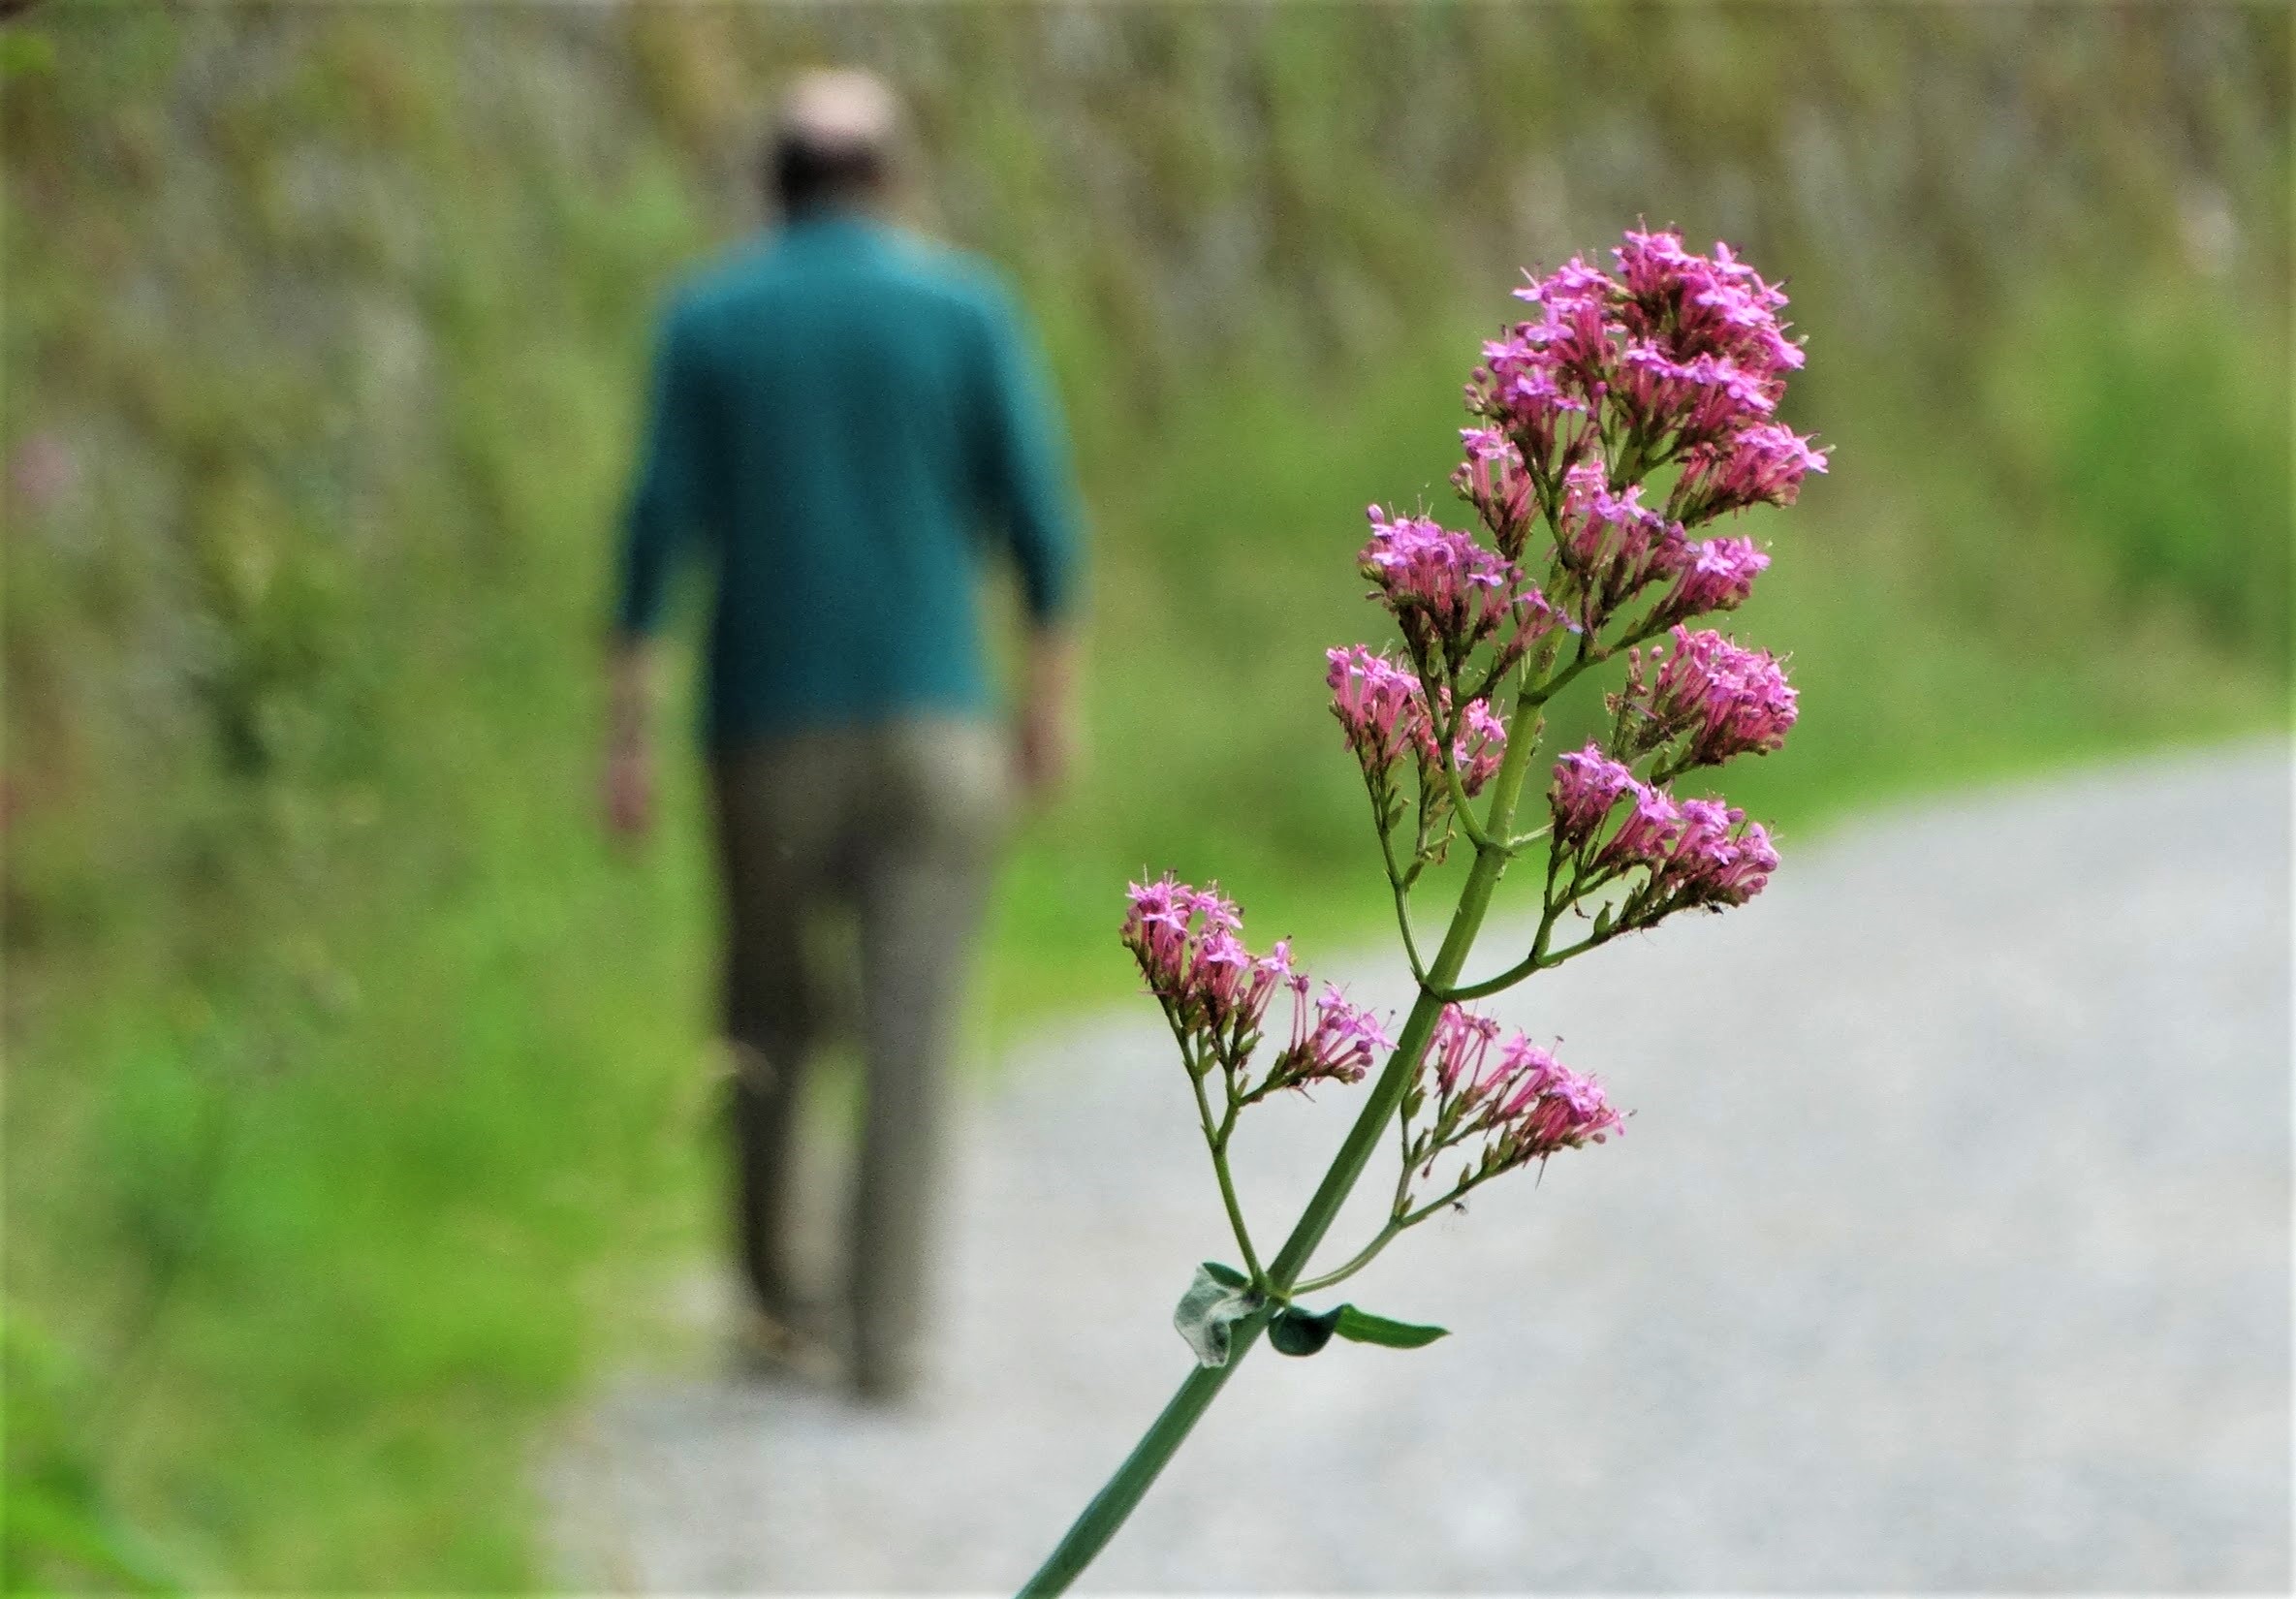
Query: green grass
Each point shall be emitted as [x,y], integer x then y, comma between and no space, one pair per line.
[1940,633]
[399,1174]
[460,1110]
[359,1095]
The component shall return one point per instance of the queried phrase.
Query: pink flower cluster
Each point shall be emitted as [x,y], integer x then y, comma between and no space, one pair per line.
[1543,383]
[1761,465]
[1698,851]
[1383,712]
[1381,707]
[1522,1099]
[1572,343]
[1455,1055]
[1479,748]
[1724,699]
[1718,576]
[1704,354]
[1721,859]
[1335,1043]
[1492,479]
[1698,400]
[1448,593]
[1696,305]
[1688,350]
[1588,786]
[1612,546]
[1649,832]
[1189,945]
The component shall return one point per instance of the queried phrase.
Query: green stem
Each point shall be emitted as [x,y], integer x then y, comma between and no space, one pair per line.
[1116,1501]
[1401,886]
[1444,736]
[1459,1192]
[1531,963]
[1369,1254]
[1219,1142]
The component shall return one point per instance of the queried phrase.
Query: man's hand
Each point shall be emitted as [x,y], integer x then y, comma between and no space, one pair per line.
[1047,734]
[628,789]
[1047,750]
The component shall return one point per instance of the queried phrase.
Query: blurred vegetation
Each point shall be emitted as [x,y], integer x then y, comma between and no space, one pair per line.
[357,1093]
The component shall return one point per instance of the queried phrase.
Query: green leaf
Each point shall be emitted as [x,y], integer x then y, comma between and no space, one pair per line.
[26,54]
[1207,1314]
[1298,1332]
[1360,1326]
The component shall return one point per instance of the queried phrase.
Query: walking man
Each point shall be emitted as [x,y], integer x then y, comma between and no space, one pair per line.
[846,426]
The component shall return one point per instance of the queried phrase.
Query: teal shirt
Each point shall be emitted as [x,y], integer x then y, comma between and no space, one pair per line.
[847,424]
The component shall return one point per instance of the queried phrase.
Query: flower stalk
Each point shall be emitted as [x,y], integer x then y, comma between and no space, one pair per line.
[1115,1502]
[1674,365]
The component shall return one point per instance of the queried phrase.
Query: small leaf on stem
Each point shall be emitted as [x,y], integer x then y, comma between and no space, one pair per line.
[1206,1315]
[1360,1326]
[1298,1332]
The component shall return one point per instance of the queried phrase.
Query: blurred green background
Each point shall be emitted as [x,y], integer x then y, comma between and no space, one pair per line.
[358,1095]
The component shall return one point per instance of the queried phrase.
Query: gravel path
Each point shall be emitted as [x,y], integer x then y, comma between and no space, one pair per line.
[1948,1249]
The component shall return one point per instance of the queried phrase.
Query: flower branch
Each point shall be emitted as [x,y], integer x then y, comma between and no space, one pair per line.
[1672,362]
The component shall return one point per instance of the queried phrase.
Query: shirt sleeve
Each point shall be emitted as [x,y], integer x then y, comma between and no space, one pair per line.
[666,497]
[1026,468]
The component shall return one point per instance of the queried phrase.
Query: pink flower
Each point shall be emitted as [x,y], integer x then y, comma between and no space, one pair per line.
[1574,282]
[1528,393]
[1156,930]
[1746,871]
[1189,947]
[1492,479]
[1763,465]
[1217,911]
[1382,709]
[1228,987]
[1697,852]
[1704,365]
[1698,400]
[1542,382]
[1478,744]
[1520,1076]
[1462,1039]
[1334,1041]
[1480,747]
[1612,546]
[1448,593]
[1694,305]
[1380,704]
[1588,784]
[1524,389]
[1725,700]
[1647,835]
[1576,333]
[1719,576]
[1552,1107]
[1524,1102]
[1721,859]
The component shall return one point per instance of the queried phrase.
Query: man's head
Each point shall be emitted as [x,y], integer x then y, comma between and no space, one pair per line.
[832,142]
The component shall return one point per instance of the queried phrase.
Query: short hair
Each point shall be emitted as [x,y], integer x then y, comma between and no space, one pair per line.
[832,139]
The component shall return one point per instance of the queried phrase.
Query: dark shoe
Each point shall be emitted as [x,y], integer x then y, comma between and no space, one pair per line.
[770,1348]
[885,1382]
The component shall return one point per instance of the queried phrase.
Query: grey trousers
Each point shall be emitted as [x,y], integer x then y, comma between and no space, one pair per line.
[896,823]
